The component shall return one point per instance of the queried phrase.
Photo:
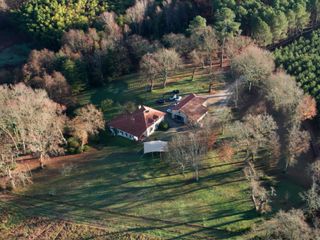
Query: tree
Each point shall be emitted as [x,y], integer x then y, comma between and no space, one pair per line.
[88,121]
[8,164]
[307,108]
[187,151]
[179,42]
[38,121]
[150,68]
[135,15]
[254,65]
[256,133]
[168,60]
[204,40]
[261,32]
[287,225]
[298,143]
[315,12]
[259,195]
[226,27]
[283,92]
[196,23]
[197,59]
[139,47]
[279,25]
[48,20]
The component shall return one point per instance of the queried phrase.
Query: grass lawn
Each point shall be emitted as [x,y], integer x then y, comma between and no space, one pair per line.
[133,88]
[125,191]
[121,180]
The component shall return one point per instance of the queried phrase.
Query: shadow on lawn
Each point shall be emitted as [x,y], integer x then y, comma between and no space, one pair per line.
[124,182]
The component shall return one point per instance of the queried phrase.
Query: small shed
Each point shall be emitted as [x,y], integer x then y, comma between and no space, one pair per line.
[155,146]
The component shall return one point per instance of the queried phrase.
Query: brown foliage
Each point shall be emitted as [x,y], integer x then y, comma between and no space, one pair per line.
[307,108]
[226,152]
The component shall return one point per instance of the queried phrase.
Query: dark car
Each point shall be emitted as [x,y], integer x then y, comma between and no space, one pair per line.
[160,101]
[175,91]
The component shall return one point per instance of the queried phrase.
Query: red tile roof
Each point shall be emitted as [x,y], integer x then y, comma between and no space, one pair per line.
[192,106]
[137,122]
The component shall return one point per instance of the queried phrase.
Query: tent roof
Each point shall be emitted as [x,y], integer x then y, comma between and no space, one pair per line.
[155,146]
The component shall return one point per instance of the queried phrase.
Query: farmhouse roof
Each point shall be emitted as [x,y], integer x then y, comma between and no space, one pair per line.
[138,122]
[192,106]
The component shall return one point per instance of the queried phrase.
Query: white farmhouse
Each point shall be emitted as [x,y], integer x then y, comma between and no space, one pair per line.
[137,125]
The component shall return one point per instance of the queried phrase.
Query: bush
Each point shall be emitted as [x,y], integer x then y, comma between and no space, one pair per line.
[164,126]
[106,104]
[74,146]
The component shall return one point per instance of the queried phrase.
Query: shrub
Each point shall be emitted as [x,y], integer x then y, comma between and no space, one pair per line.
[164,126]
[106,104]
[74,146]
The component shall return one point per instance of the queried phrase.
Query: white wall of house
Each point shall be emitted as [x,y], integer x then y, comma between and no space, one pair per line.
[153,127]
[147,133]
[118,132]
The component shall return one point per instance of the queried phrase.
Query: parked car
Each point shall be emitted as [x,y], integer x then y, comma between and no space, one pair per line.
[160,101]
[175,97]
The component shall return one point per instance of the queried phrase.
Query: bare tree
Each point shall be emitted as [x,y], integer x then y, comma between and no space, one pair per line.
[168,60]
[88,121]
[254,65]
[256,133]
[298,143]
[260,196]
[136,14]
[197,60]
[205,41]
[286,225]
[111,28]
[283,92]
[39,122]
[150,68]
[307,108]
[188,151]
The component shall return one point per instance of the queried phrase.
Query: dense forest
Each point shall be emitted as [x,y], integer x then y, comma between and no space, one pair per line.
[301,59]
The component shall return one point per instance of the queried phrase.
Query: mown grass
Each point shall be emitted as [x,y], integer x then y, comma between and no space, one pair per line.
[134,88]
[124,181]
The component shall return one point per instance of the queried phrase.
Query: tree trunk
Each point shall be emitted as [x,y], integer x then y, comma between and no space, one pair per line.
[222,53]
[12,182]
[151,84]
[41,160]
[193,74]
[165,79]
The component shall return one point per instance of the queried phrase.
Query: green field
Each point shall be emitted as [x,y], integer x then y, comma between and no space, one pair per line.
[133,88]
[123,191]
[121,180]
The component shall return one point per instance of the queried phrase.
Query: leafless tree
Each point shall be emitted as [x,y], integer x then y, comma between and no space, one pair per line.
[88,121]
[298,143]
[168,60]
[188,152]
[284,94]
[256,133]
[38,121]
[205,41]
[136,14]
[111,29]
[198,60]
[286,225]
[259,194]
[150,68]
[254,65]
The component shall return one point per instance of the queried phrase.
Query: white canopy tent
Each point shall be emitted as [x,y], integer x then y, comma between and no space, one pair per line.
[155,146]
